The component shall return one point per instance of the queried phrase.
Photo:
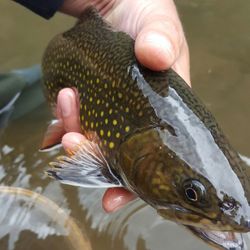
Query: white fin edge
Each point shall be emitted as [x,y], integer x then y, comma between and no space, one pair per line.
[86,167]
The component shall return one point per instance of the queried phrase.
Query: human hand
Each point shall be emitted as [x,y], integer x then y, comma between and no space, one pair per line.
[159,44]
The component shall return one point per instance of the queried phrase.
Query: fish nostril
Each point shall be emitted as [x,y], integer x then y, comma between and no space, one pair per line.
[247,224]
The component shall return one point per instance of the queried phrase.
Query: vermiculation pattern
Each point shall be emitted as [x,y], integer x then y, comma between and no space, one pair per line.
[111,104]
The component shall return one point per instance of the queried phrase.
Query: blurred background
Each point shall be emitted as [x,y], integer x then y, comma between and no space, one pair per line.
[43,214]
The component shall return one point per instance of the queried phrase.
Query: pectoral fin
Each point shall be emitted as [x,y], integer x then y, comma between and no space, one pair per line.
[53,136]
[87,167]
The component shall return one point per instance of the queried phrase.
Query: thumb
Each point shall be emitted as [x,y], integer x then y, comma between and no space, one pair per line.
[159,42]
[156,28]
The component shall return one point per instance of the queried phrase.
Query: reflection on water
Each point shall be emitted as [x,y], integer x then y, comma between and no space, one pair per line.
[137,226]
[24,210]
[57,216]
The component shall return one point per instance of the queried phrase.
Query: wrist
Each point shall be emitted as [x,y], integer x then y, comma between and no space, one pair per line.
[76,7]
[73,7]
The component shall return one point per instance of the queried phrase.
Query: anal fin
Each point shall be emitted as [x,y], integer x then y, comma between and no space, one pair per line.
[87,167]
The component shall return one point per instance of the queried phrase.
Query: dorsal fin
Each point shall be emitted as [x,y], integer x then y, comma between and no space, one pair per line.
[92,18]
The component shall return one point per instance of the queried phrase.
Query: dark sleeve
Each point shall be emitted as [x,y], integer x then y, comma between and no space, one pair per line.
[44,8]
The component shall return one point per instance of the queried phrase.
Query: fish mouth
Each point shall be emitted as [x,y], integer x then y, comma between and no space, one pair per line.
[220,240]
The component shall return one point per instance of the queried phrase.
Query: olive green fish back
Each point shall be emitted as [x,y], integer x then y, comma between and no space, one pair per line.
[97,61]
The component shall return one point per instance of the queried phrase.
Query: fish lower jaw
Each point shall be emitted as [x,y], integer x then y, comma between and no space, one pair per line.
[220,239]
[193,219]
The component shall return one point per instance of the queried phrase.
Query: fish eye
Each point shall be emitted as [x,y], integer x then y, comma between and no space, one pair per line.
[191,194]
[194,190]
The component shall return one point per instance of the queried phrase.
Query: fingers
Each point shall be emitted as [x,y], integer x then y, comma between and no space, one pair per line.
[159,38]
[159,42]
[71,140]
[182,64]
[68,109]
[116,198]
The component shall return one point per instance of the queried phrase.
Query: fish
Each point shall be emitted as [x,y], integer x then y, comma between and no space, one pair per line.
[146,131]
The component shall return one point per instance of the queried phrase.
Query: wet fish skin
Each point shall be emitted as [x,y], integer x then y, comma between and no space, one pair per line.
[158,138]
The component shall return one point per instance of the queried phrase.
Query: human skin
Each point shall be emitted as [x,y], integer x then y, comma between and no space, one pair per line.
[157,30]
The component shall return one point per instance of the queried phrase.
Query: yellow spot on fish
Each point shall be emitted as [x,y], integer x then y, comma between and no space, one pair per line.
[92,125]
[111,145]
[117,135]
[109,133]
[127,128]
[98,101]
[97,80]
[105,142]
[91,99]
[110,111]
[86,124]
[164,187]
[105,85]
[102,113]
[101,132]
[126,109]
[120,95]
[156,181]
[136,94]
[82,117]
[106,121]
[114,122]
[140,113]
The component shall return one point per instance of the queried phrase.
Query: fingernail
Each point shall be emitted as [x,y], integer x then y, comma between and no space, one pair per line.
[66,105]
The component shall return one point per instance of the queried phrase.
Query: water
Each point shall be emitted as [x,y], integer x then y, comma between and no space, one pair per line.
[219,40]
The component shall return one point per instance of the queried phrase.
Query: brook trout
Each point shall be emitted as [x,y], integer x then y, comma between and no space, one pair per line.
[148,132]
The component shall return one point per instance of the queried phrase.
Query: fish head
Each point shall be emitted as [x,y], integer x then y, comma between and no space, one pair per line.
[210,200]
[195,176]
[194,200]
